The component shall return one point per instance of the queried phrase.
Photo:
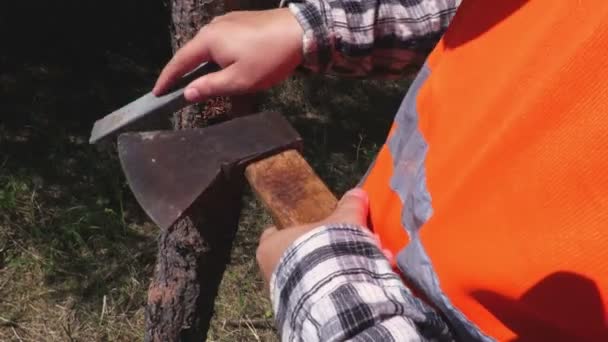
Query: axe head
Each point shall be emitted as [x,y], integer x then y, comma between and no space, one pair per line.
[169,170]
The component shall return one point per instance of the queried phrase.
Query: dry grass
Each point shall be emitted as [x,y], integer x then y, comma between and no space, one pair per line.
[76,252]
[90,288]
[243,311]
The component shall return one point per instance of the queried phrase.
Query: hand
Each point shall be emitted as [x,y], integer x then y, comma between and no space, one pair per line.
[352,209]
[256,50]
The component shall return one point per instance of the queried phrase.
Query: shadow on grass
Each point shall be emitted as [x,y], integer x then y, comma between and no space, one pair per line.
[64,205]
[61,200]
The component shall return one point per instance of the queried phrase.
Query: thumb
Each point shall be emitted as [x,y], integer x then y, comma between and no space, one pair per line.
[353,208]
[227,81]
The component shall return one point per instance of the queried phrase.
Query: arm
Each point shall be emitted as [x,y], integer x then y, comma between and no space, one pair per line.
[258,49]
[334,284]
[370,37]
[330,281]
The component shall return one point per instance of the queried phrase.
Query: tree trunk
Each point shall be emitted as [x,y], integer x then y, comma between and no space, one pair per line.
[193,252]
[187,18]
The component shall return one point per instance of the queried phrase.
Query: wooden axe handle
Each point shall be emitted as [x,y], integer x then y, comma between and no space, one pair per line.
[290,189]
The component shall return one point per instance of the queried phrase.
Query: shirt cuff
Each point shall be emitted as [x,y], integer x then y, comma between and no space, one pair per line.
[315,18]
[315,239]
[334,283]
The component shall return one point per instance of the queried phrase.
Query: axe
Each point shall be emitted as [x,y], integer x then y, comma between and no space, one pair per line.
[168,171]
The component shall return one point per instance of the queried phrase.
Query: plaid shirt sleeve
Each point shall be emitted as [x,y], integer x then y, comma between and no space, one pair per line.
[384,38]
[334,284]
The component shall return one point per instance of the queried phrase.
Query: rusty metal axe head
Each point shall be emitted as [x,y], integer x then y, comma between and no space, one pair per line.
[169,170]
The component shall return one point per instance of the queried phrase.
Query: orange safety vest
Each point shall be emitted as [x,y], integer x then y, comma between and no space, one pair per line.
[492,187]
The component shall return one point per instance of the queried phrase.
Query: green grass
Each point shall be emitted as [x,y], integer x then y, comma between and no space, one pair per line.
[76,252]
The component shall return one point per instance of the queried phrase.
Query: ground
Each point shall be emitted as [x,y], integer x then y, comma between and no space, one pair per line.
[76,251]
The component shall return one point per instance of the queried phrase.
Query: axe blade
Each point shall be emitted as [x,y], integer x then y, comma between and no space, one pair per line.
[169,170]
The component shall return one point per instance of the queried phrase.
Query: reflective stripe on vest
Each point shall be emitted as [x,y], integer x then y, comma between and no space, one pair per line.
[506,130]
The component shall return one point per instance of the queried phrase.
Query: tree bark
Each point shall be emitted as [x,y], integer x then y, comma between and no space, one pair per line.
[193,252]
[187,18]
[192,257]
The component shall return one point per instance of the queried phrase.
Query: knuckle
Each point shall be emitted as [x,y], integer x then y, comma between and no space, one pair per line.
[207,86]
[230,15]
[204,88]
[260,253]
[219,18]
[243,83]
[177,57]
[203,30]
[206,30]
[266,233]
[209,32]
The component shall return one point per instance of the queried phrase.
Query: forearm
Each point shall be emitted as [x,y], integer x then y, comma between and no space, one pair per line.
[370,37]
[334,284]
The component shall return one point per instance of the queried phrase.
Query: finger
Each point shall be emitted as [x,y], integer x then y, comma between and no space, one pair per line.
[195,52]
[228,81]
[353,208]
[268,232]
